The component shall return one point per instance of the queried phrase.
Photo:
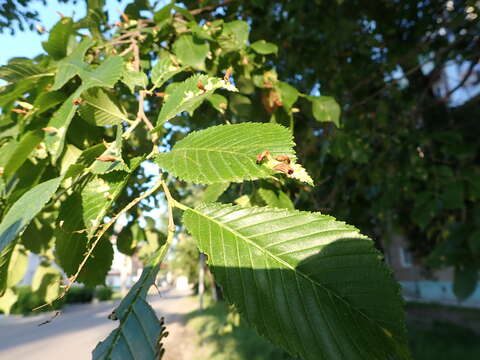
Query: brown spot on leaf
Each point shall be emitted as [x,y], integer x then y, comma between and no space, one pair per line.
[107,158]
[50,130]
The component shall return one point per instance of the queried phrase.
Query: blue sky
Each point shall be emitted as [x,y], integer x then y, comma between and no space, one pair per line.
[28,43]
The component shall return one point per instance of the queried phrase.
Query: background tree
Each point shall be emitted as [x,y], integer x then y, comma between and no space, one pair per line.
[406,74]
[77,133]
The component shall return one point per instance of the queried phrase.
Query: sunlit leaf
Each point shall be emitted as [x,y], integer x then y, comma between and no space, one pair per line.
[309,283]
[57,42]
[7,301]
[188,95]
[24,210]
[226,153]
[18,266]
[46,283]
[276,198]
[325,108]
[164,70]
[234,36]
[101,109]
[214,191]
[264,48]
[191,51]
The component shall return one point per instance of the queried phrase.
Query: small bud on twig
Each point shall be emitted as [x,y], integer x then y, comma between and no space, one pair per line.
[19,111]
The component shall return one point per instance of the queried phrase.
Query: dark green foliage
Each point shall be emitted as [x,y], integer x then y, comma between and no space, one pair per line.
[406,158]
[443,341]
[29,300]
[210,103]
[222,334]
[103,293]
[80,295]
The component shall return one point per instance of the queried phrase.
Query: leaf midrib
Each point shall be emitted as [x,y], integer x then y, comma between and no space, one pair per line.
[223,150]
[287,265]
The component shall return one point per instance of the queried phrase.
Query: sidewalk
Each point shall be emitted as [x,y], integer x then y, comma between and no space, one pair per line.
[75,333]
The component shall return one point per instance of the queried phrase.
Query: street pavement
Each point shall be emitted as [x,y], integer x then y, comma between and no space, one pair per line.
[75,332]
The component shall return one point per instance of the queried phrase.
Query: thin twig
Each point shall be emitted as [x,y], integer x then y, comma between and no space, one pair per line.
[98,236]
[463,81]
[126,51]
[136,55]
[211,7]
[170,204]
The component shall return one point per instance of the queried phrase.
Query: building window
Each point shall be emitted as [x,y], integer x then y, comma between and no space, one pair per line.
[406,259]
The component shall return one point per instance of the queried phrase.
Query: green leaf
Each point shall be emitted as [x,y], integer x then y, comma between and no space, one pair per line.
[5,257]
[188,95]
[6,152]
[163,15]
[139,333]
[69,158]
[453,195]
[45,101]
[219,102]
[25,147]
[111,159]
[213,192]
[59,123]
[37,236]
[288,94]
[199,31]
[106,74]
[46,283]
[134,78]
[155,239]
[309,283]
[24,210]
[56,46]
[325,108]
[241,105]
[98,196]
[96,17]
[16,220]
[27,176]
[20,70]
[100,109]
[276,198]
[80,217]
[226,153]
[18,266]
[264,48]
[234,36]
[7,301]
[191,51]
[71,244]
[73,64]
[465,281]
[164,70]
[128,239]
[425,208]
[22,150]
[89,155]
[474,242]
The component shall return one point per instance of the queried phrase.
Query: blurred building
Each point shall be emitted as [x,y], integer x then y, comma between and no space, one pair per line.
[125,271]
[417,283]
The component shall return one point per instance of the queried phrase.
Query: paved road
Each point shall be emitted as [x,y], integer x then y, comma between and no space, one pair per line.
[74,334]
